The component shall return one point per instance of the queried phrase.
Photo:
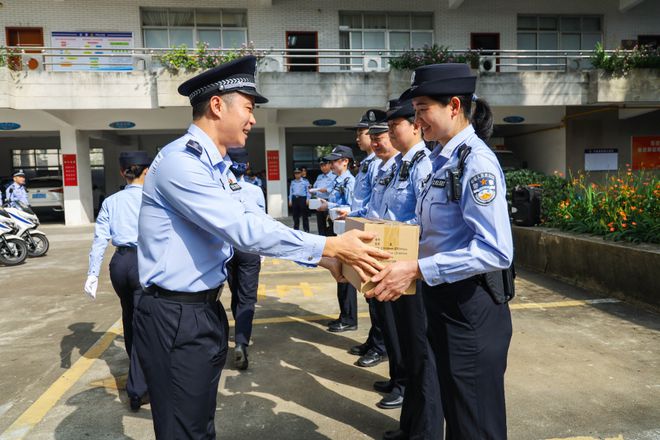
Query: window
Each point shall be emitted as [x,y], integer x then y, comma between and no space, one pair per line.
[556,33]
[387,31]
[37,162]
[169,27]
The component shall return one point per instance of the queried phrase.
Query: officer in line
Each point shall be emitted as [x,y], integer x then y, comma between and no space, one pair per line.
[243,269]
[298,197]
[342,195]
[465,253]
[117,221]
[193,215]
[395,386]
[364,182]
[322,187]
[16,192]
[421,413]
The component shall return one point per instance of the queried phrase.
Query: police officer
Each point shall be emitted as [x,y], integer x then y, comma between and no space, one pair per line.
[364,182]
[322,187]
[342,195]
[16,193]
[465,253]
[421,412]
[117,221]
[193,214]
[298,197]
[243,269]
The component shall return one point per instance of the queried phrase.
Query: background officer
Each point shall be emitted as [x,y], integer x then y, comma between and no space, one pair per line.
[322,187]
[193,215]
[465,251]
[342,195]
[16,193]
[243,269]
[298,196]
[118,222]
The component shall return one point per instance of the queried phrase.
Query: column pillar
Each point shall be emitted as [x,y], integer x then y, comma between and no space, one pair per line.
[275,141]
[78,204]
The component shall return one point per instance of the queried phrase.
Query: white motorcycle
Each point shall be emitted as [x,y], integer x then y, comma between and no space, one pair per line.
[26,223]
[13,250]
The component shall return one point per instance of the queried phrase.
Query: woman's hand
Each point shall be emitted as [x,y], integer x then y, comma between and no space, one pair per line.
[393,280]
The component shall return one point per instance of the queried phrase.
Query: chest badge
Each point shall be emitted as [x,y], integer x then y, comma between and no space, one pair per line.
[483,188]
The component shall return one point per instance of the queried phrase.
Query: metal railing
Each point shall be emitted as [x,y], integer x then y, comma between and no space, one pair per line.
[283,60]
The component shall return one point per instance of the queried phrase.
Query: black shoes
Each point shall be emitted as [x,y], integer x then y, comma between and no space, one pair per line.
[383,386]
[391,401]
[370,359]
[341,327]
[136,402]
[240,357]
[359,350]
[395,435]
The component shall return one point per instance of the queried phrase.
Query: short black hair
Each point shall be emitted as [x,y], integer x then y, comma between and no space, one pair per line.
[199,109]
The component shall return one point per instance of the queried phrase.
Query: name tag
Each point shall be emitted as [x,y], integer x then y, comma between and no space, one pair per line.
[438,183]
[234,186]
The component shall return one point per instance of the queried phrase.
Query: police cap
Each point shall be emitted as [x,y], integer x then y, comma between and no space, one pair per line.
[400,109]
[235,76]
[377,121]
[19,173]
[128,158]
[450,79]
[339,152]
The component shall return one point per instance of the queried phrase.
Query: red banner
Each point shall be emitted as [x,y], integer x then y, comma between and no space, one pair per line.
[646,152]
[273,164]
[70,170]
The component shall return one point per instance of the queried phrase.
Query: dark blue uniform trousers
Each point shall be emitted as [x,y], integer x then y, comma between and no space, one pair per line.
[421,413]
[243,277]
[470,337]
[398,374]
[126,283]
[375,339]
[182,348]
[348,308]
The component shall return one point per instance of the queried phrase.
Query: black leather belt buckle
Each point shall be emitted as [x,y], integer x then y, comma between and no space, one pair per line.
[206,296]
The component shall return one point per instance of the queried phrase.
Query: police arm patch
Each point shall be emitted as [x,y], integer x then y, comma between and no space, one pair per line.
[483,188]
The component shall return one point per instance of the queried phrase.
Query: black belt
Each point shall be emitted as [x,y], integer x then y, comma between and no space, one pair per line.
[125,249]
[205,296]
[299,197]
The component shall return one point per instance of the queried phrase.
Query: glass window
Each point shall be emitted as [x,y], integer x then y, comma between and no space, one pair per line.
[570,41]
[211,37]
[353,21]
[375,21]
[526,23]
[401,30]
[526,41]
[591,24]
[374,40]
[570,24]
[96,157]
[154,17]
[156,38]
[399,40]
[181,36]
[422,21]
[208,17]
[398,21]
[356,40]
[421,39]
[181,17]
[547,23]
[234,19]
[233,38]
[589,41]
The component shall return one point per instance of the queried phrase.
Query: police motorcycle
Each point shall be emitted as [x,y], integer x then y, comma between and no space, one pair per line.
[26,223]
[13,250]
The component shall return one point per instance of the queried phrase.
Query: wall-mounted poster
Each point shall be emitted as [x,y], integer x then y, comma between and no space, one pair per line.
[601,159]
[95,45]
[646,152]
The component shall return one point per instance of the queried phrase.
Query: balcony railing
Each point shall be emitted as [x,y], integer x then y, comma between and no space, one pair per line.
[285,60]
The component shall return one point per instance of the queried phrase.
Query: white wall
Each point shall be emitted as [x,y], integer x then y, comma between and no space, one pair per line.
[544,151]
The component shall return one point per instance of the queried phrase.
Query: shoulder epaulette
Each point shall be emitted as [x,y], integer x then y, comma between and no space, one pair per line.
[405,165]
[194,146]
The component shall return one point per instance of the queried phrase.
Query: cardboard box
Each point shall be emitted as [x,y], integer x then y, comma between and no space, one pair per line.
[314,203]
[401,240]
[339,226]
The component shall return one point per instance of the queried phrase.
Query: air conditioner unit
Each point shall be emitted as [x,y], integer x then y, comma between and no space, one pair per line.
[487,63]
[272,63]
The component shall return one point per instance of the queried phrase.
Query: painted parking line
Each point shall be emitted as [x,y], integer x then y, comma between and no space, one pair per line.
[38,410]
[567,303]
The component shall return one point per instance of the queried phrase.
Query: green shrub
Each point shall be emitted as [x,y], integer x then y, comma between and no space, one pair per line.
[621,62]
[435,54]
[202,58]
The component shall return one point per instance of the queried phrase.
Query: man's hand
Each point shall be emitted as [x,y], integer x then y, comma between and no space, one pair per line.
[392,281]
[290,204]
[323,206]
[323,190]
[334,266]
[350,248]
[91,285]
[342,214]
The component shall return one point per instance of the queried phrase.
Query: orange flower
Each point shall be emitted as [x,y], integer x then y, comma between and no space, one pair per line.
[611,229]
[624,225]
[566,216]
[634,223]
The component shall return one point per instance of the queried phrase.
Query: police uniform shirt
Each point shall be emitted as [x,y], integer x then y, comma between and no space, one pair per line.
[253,193]
[298,188]
[189,220]
[364,181]
[326,181]
[342,190]
[16,193]
[401,195]
[460,239]
[117,221]
[383,178]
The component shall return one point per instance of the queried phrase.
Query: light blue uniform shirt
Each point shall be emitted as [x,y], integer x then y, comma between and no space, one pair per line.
[384,176]
[326,181]
[342,190]
[190,220]
[16,193]
[365,181]
[460,239]
[253,193]
[117,221]
[401,195]
[298,188]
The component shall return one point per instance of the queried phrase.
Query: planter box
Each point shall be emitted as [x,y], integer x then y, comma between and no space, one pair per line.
[623,270]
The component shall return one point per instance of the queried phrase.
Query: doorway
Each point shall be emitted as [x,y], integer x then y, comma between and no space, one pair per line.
[24,37]
[302,40]
[488,43]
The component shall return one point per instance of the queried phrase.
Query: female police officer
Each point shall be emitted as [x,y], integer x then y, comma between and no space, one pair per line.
[118,221]
[465,249]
